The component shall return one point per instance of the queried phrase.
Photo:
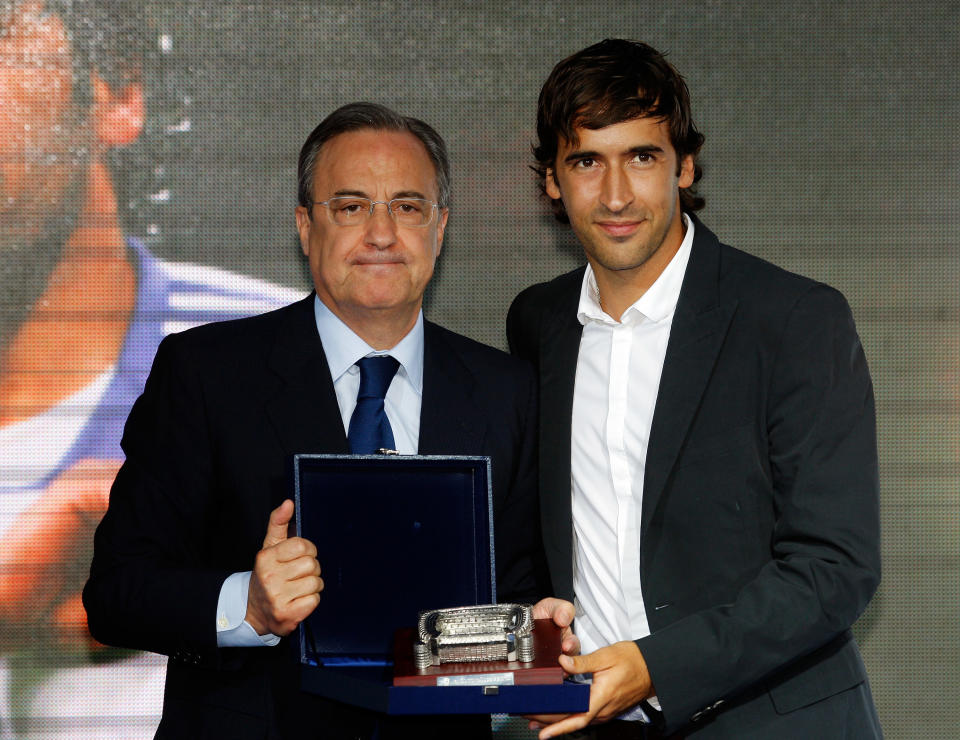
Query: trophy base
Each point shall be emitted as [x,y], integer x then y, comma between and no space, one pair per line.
[543,670]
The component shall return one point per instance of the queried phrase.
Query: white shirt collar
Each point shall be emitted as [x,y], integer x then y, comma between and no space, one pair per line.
[343,347]
[657,304]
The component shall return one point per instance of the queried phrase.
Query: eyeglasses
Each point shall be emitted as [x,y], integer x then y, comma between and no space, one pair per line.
[353,211]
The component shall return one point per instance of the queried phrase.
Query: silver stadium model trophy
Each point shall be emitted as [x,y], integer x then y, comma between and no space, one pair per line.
[491,645]
[473,634]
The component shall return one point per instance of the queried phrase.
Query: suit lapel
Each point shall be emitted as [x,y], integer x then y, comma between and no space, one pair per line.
[699,327]
[559,347]
[450,421]
[304,411]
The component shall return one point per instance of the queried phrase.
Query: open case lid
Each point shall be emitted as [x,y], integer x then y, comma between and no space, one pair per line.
[394,535]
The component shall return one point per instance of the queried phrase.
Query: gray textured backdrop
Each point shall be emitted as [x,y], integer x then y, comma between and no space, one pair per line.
[831,150]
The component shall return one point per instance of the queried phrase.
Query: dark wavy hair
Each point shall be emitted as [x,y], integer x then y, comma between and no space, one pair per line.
[106,37]
[613,81]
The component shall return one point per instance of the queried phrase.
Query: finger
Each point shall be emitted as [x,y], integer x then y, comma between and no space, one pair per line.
[576,664]
[571,724]
[569,664]
[544,719]
[294,548]
[543,608]
[302,607]
[277,526]
[302,587]
[564,613]
[598,660]
[569,642]
[299,568]
[560,611]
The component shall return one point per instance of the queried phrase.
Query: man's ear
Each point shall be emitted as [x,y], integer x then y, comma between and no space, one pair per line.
[442,215]
[303,228]
[685,179]
[117,114]
[550,184]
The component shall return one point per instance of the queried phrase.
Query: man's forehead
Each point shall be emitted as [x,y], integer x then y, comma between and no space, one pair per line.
[648,128]
[370,154]
[363,140]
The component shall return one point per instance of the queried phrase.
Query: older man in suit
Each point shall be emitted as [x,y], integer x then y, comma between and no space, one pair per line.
[182,564]
[708,463]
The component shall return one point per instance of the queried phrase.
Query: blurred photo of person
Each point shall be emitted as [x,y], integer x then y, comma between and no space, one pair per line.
[83,307]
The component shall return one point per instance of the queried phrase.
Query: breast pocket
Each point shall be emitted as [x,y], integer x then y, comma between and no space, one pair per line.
[738,440]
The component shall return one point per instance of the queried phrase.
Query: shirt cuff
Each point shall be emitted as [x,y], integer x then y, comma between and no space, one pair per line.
[636,713]
[232,629]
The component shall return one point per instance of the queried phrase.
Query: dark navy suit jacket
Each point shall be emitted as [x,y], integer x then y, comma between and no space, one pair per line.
[760,525]
[208,446]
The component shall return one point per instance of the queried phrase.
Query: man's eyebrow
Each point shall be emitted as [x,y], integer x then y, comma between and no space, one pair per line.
[362,194]
[579,154]
[646,149]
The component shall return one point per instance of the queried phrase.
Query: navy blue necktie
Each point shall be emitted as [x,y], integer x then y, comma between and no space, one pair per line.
[369,427]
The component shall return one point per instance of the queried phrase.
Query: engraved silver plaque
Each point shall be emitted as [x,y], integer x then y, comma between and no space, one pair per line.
[474,633]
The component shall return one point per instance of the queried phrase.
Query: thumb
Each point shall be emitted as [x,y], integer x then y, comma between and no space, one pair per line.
[576,664]
[277,526]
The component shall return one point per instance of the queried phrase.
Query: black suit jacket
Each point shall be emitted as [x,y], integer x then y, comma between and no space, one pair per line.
[208,447]
[759,532]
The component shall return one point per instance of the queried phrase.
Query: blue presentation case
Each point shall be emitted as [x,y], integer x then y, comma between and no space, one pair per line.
[395,535]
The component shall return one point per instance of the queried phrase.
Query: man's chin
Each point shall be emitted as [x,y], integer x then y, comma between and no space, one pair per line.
[383,290]
[621,262]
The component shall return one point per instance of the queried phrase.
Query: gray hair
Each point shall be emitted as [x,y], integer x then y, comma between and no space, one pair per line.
[359,116]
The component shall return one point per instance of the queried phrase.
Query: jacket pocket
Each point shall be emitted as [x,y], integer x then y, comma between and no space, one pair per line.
[833,668]
[715,447]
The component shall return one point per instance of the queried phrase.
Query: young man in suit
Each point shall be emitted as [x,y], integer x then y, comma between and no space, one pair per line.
[192,558]
[708,462]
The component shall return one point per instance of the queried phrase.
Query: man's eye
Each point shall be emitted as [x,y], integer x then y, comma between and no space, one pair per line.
[407,206]
[351,207]
[643,157]
[585,163]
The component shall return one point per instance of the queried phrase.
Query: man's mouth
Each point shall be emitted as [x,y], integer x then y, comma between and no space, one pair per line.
[619,228]
[374,260]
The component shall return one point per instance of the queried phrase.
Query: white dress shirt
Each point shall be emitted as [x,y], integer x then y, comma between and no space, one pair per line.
[404,396]
[618,375]
[342,348]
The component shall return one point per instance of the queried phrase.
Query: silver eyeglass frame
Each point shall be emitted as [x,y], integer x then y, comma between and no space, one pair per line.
[434,209]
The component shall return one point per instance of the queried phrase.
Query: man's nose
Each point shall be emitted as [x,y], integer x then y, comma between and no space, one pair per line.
[381,231]
[617,191]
